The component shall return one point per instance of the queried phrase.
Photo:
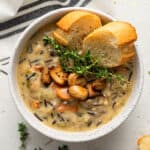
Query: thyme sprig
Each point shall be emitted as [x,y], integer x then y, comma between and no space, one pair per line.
[72,61]
[22,129]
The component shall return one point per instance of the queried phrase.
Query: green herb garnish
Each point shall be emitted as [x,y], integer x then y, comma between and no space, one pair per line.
[22,129]
[72,61]
[63,147]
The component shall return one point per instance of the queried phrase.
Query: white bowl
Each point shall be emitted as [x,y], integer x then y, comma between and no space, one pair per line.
[58,134]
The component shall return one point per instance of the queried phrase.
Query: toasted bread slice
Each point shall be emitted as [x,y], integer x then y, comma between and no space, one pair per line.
[78,18]
[58,36]
[111,44]
[144,142]
[74,26]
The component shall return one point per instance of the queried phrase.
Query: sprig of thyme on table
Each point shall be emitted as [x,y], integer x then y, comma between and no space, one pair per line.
[22,129]
[86,65]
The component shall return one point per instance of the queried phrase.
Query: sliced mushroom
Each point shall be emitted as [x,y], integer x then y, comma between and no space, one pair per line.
[62,93]
[45,78]
[98,84]
[75,79]
[92,92]
[78,92]
[58,75]
[67,107]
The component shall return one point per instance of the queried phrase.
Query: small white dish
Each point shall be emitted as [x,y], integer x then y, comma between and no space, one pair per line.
[58,134]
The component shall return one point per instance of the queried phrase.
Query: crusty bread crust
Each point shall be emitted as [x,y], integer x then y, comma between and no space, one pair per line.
[127,55]
[74,26]
[144,142]
[114,40]
[66,22]
[124,32]
[60,38]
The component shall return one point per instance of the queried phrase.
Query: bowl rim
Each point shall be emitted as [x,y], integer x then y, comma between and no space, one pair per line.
[65,135]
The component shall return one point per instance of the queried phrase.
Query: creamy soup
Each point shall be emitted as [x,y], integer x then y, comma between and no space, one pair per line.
[67,100]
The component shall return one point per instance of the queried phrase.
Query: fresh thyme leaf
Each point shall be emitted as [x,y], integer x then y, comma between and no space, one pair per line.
[50,41]
[63,147]
[72,61]
[23,134]
[22,129]
[46,40]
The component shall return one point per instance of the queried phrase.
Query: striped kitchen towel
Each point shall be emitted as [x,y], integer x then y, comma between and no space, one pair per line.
[32,10]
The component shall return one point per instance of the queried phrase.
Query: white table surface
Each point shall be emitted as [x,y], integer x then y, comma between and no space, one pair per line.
[124,138]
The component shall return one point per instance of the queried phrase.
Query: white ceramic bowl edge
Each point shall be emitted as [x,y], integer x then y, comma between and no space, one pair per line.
[58,134]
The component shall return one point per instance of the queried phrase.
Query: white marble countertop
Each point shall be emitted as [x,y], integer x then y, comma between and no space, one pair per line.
[124,138]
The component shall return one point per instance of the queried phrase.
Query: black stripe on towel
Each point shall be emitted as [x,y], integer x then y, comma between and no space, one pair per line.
[32,15]
[12,33]
[85,3]
[27,6]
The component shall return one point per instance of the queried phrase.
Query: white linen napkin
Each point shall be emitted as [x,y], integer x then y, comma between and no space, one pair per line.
[9,8]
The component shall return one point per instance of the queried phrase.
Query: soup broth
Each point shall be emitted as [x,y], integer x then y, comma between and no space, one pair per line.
[41,97]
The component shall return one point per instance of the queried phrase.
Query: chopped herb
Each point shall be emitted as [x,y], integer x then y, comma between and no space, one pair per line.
[63,147]
[22,129]
[72,61]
